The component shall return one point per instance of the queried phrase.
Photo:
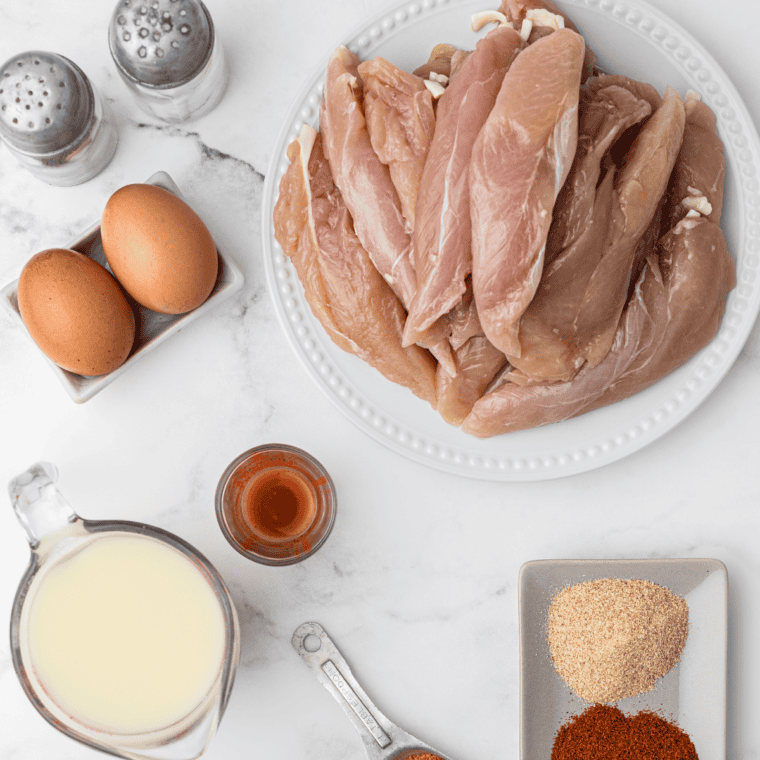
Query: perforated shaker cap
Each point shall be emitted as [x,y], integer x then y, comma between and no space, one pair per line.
[46,102]
[160,43]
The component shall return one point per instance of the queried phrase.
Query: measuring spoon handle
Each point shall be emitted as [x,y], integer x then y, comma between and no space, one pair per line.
[382,738]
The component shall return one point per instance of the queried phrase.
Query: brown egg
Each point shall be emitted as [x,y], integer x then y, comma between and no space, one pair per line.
[159,249]
[75,312]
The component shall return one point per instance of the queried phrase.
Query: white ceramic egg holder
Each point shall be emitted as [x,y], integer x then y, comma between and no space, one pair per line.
[152,328]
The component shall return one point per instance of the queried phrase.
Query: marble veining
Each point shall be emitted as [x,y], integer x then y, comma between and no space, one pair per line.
[207,153]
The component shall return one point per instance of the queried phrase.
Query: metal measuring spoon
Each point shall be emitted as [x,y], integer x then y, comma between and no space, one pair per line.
[382,739]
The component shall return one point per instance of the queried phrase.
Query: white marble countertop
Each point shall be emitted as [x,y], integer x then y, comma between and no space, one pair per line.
[418,581]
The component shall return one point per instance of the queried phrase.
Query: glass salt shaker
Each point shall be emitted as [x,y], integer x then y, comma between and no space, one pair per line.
[53,120]
[170,57]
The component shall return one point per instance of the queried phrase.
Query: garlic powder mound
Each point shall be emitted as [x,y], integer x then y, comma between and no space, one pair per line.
[612,638]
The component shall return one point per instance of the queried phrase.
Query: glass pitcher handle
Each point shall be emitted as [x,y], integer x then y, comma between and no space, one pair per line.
[40,507]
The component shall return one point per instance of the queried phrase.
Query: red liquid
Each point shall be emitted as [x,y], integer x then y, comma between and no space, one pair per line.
[278,504]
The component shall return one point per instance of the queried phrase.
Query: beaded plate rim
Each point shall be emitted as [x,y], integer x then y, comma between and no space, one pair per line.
[622,430]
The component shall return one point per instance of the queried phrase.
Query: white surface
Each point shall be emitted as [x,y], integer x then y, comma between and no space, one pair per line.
[418,581]
[639,42]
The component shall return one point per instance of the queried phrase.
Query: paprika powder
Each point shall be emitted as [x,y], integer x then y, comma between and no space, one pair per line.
[603,732]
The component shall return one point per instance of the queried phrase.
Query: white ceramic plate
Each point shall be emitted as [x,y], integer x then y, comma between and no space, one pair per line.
[629,37]
[152,328]
[692,694]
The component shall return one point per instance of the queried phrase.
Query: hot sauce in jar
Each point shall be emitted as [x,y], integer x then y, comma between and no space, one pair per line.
[276,504]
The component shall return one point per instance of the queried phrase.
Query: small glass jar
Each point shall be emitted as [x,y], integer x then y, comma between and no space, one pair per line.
[276,504]
[169,56]
[53,120]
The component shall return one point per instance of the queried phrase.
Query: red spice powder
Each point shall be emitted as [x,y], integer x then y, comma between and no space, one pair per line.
[422,756]
[603,732]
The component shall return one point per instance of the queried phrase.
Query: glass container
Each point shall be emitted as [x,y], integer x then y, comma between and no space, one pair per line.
[169,56]
[53,120]
[276,504]
[59,539]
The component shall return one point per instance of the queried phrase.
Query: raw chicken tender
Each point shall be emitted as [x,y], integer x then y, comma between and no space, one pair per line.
[442,233]
[348,296]
[477,363]
[676,310]
[539,13]
[701,165]
[398,109]
[582,216]
[363,179]
[439,61]
[639,186]
[519,163]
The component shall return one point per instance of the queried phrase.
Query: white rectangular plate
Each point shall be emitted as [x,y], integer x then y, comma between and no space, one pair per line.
[692,694]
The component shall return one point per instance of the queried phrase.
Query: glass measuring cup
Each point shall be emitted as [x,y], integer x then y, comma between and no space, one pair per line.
[59,539]
[383,740]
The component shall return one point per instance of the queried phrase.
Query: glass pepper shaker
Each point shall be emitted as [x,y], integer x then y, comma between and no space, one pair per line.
[168,54]
[53,120]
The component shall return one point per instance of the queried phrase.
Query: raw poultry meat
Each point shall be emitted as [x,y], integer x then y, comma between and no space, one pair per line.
[675,311]
[362,178]
[639,186]
[462,322]
[517,11]
[398,109]
[439,61]
[596,98]
[442,234]
[348,296]
[477,363]
[701,165]
[519,162]
[575,243]
[553,298]
[477,360]
[366,185]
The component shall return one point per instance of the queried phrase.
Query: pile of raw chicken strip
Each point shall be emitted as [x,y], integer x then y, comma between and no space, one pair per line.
[510,234]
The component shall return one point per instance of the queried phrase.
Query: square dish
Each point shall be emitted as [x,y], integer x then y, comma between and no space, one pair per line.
[692,694]
[152,328]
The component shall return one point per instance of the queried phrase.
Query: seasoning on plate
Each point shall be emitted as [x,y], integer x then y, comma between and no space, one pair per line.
[169,56]
[613,638]
[276,504]
[603,732]
[52,119]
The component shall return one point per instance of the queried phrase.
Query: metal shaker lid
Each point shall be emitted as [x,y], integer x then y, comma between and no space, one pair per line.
[46,102]
[160,43]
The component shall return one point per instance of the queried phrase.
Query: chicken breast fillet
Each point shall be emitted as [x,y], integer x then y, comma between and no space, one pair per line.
[675,309]
[519,163]
[549,351]
[346,293]
[398,109]
[442,234]
[363,179]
